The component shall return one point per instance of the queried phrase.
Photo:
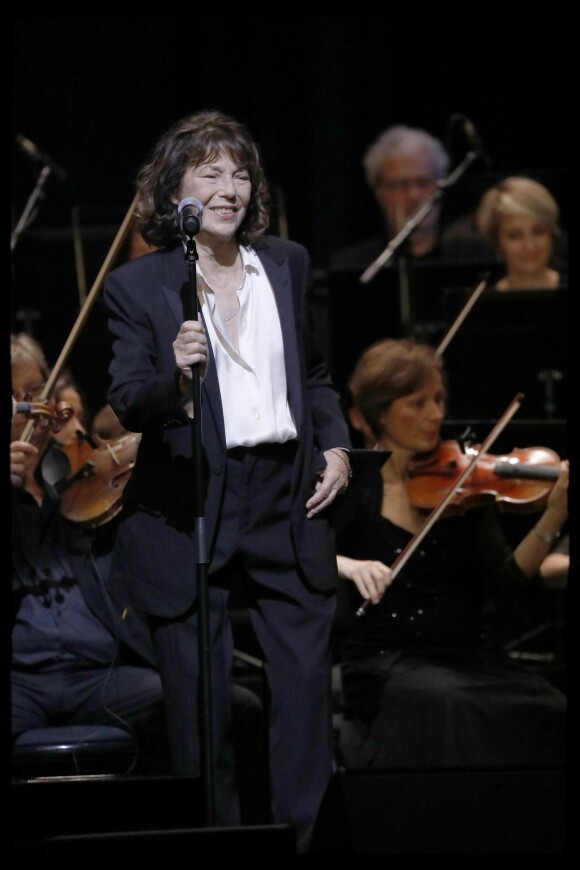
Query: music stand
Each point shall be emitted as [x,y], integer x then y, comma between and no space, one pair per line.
[361,458]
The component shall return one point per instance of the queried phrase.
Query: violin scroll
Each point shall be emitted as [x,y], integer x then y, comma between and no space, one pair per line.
[43,412]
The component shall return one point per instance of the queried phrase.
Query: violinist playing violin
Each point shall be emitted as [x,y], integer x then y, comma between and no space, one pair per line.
[423,685]
[71,665]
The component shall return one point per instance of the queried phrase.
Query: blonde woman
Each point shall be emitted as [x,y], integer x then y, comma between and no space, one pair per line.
[520,218]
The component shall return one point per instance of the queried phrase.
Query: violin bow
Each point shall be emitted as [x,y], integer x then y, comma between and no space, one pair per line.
[406,554]
[85,311]
[462,314]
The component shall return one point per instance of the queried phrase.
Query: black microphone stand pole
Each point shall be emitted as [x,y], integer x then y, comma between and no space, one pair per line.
[404,296]
[414,221]
[191,312]
[27,216]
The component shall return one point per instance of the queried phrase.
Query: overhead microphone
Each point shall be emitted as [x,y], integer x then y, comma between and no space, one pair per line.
[28,146]
[475,141]
[190,211]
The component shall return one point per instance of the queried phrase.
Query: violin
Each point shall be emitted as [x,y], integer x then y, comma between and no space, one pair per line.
[520,481]
[90,481]
[91,490]
[44,413]
[460,467]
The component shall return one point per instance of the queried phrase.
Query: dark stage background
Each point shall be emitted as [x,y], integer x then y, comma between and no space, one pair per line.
[95,94]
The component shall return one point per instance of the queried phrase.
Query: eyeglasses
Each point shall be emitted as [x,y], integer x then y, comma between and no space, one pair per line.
[401,185]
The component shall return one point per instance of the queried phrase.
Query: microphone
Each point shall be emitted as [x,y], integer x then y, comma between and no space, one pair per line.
[190,211]
[475,141]
[39,156]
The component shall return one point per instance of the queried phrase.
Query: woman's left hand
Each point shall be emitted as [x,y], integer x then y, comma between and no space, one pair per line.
[558,498]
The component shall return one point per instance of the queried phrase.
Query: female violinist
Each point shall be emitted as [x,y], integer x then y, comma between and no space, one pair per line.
[423,685]
[71,664]
[520,219]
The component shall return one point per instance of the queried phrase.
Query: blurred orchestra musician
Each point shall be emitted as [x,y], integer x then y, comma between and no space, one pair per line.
[73,662]
[520,218]
[403,168]
[425,683]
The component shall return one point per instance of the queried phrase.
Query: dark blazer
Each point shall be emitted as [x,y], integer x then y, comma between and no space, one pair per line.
[156,540]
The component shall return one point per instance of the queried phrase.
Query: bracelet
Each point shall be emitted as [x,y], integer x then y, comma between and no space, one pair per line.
[546,537]
[342,455]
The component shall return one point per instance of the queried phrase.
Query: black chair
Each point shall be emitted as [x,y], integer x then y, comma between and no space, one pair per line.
[73,750]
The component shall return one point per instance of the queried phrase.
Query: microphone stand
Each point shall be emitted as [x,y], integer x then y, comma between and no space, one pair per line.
[414,221]
[191,312]
[404,295]
[25,218]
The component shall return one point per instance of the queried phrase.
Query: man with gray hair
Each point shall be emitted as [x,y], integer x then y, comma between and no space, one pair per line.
[403,168]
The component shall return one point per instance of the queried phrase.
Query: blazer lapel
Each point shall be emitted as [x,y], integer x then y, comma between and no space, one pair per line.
[279,275]
[176,284]
[278,272]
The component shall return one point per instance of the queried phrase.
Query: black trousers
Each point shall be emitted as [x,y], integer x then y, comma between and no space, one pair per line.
[292,623]
[81,693]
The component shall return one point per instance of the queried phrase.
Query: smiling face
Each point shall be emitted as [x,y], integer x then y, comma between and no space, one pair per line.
[224,189]
[525,245]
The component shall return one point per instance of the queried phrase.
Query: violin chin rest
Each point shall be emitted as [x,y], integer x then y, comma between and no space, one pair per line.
[55,466]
